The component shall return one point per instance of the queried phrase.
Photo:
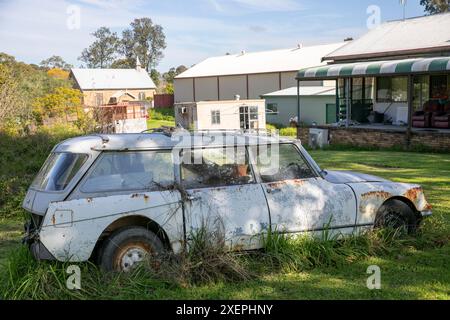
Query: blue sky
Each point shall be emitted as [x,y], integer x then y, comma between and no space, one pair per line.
[195,29]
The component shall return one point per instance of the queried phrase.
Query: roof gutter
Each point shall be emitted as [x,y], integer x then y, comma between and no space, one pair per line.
[390,54]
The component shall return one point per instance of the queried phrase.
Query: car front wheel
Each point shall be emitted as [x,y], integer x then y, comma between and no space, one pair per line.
[395,214]
[128,247]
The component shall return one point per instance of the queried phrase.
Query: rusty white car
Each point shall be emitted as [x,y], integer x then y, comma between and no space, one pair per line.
[116,198]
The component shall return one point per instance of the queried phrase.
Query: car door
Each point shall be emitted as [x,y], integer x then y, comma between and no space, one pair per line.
[223,196]
[299,199]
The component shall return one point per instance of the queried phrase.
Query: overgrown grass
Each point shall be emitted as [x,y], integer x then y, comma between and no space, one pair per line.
[290,268]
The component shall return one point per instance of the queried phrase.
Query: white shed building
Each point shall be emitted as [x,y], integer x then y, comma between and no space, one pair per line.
[249,75]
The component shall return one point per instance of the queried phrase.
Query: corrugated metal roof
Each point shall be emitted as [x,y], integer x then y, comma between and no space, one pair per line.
[304,91]
[261,62]
[421,33]
[374,68]
[89,79]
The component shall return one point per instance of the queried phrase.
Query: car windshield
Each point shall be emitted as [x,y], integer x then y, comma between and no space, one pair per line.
[58,170]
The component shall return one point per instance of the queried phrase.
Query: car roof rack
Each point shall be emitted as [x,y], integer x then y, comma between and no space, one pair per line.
[169,131]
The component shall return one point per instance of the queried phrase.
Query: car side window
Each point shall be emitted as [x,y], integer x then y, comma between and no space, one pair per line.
[281,162]
[143,170]
[214,167]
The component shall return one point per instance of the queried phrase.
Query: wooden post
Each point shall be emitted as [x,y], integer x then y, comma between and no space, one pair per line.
[347,102]
[410,110]
[298,105]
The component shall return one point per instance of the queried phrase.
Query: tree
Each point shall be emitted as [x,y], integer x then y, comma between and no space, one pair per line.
[169,88]
[61,101]
[436,6]
[58,73]
[102,52]
[145,40]
[55,62]
[11,104]
[155,75]
[173,72]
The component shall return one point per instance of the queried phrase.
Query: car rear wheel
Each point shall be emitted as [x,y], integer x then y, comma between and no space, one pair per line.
[128,247]
[395,214]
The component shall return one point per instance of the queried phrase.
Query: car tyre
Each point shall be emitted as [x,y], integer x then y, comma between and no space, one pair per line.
[129,246]
[396,214]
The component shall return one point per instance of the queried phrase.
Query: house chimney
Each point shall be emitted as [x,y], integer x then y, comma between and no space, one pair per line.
[138,64]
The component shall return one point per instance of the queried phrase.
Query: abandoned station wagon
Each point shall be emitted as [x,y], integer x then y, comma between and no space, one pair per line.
[117,198]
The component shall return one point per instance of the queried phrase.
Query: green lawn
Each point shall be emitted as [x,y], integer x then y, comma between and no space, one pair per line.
[409,272]
[161,117]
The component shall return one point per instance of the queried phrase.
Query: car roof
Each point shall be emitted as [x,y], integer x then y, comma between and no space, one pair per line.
[165,140]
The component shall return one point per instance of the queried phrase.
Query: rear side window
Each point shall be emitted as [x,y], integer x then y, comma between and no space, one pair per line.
[117,171]
[58,170]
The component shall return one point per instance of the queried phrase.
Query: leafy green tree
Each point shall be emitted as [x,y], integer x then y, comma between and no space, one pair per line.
[55,62]
[436,6]
[102,52]
[155,75]
[60,102]
[145,40]
[173,72]
[11,104]
[169,88]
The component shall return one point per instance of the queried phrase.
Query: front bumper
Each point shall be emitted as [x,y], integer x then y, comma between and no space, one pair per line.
[426,213]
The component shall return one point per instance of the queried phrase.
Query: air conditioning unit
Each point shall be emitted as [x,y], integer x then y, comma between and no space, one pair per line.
[318,138]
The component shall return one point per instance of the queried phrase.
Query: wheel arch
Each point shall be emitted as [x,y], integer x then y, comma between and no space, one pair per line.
[133,220]
[406,201]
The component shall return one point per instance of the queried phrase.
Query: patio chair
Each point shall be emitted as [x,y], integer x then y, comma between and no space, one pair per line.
[422,119]
[442,119]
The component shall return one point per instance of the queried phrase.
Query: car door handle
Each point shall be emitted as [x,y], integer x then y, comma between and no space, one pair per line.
[273,190]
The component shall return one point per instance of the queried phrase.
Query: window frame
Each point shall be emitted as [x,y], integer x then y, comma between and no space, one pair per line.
[271,111]
[215,117]
[255,179]
[73,182]
[389,100]
[94,165]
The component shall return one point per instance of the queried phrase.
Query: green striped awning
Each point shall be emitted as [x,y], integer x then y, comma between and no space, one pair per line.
[374,68]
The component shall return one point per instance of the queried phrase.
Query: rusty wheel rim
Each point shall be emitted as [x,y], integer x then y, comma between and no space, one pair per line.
[131,255]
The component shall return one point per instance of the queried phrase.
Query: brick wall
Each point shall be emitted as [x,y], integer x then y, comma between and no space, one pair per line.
[382,139]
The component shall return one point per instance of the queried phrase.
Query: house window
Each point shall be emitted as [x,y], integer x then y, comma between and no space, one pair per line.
[215,117]
[141,96]
[272,108]
[392,89]
[248,117]
[99,99]
[438,87]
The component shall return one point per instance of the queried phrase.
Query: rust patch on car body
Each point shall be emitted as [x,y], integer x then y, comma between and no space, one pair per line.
[370,201]
[414,193]
[277,184]
[376,194]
